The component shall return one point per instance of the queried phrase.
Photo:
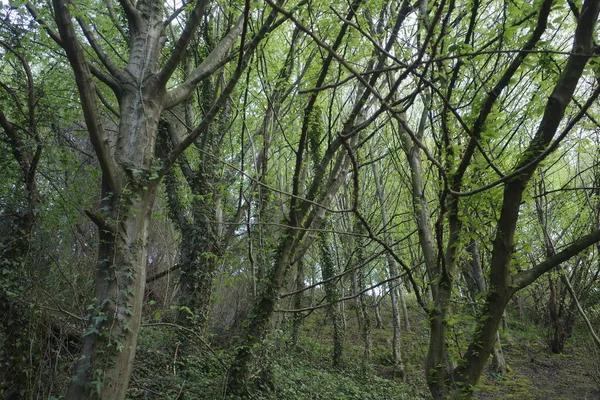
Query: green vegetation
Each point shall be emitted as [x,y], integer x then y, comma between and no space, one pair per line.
[297,199]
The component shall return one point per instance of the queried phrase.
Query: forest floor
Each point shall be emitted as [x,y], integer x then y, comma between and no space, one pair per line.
[305,372]
[538,374]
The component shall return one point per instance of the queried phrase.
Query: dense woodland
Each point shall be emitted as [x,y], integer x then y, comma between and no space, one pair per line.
[296,199]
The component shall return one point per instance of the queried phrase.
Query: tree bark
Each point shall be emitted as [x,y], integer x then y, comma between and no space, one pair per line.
[297,318]
[333,300]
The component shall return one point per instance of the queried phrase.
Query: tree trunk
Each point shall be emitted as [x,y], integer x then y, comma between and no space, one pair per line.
[420,206]
[258,319]
[375,306]
[392,271]
[503,284]
[333,300]
[116,317]
[363,310]
[297,318]
[477,286]
[558,337]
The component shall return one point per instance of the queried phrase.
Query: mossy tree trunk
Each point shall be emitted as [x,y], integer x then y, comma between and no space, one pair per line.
[332,295]
[298,317]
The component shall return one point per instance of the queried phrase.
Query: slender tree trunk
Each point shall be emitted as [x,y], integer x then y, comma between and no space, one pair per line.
[420,206]
[363,309]
[558,337]
[354,278]
[375,305]
[393,271]
[404,308]
[558,330]
[333,300]
[297,318]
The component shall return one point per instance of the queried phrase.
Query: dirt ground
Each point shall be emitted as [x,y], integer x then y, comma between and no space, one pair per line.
[538,374]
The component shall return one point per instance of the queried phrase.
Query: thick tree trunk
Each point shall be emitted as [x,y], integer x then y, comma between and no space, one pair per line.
[129,175]
[109,344]
[477,286]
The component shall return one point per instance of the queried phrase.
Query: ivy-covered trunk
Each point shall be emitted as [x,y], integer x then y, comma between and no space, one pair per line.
[332,295]
[130,172]
[297,302]
[16,319]
[110,340]
[257,321]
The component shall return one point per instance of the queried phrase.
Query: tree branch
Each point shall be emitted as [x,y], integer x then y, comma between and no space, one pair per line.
[207,67]
[183,42]
[497,90]
[87,92]
[51,32]
[133,15]
[102,56]
[524,278]
[210,115]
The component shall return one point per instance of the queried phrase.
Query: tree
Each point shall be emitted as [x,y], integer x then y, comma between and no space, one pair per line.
[503,283]
[140,75]
[18,217]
